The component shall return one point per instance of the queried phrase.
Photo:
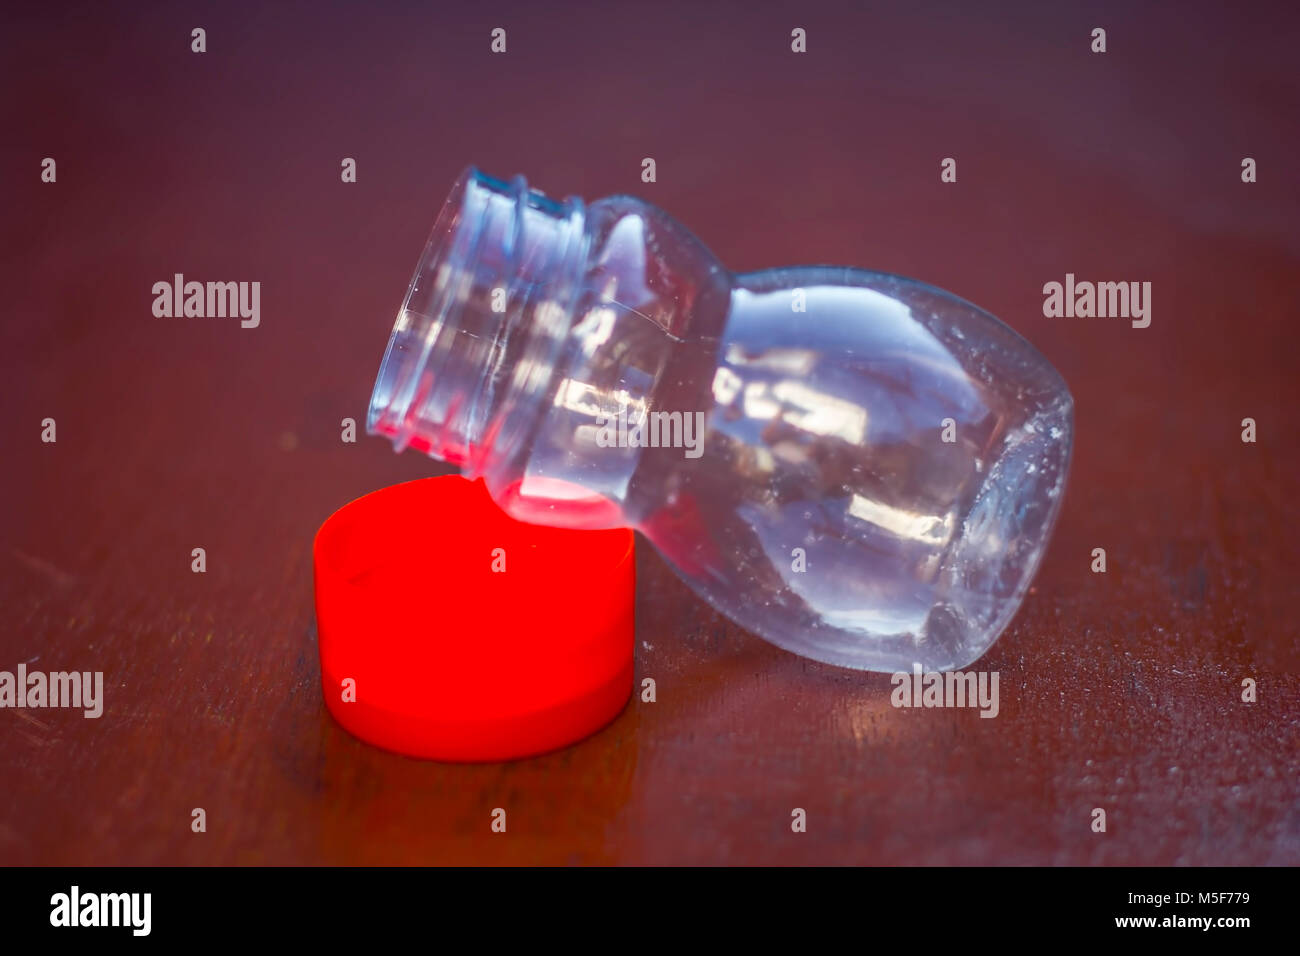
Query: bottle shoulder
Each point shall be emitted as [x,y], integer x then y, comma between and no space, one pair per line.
[642,260]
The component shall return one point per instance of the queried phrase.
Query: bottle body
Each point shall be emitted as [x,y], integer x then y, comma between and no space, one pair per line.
[858,467]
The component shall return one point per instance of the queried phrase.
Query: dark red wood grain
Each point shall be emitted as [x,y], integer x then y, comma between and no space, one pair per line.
[1118,690]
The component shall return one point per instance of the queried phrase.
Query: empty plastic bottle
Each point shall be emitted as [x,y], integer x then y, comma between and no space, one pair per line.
[859,467]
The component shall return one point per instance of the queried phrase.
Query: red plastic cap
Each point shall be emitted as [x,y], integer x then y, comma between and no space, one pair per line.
[449,630]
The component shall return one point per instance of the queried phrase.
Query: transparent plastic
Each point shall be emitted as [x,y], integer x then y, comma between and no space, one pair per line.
[858,467]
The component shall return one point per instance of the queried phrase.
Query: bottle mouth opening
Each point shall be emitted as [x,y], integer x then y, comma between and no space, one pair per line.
[404,379]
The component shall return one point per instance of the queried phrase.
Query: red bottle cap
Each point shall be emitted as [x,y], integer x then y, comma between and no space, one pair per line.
[449,630]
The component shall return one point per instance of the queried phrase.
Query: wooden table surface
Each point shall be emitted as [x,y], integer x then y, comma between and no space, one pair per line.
[1119,691]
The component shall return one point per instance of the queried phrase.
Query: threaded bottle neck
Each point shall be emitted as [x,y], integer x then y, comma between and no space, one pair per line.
[470,360]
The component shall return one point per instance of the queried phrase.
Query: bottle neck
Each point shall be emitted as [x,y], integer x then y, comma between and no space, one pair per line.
[471,358]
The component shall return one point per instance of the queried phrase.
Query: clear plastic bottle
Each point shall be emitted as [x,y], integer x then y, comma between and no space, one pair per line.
[859,467]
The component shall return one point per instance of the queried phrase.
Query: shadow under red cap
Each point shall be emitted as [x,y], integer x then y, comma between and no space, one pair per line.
[454,660]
